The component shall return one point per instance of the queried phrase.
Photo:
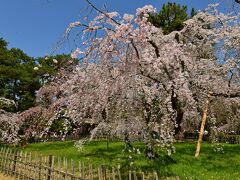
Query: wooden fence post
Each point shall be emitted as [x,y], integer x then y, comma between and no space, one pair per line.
[59,169]
[134,175]
[130,175]
[50,158]
[52,168]
[155,176]
[103,172]
[25,166]
[90,172]
[73,170]
[9,161]
[113,174]
[29,162]
[1,158]
[65,168]
[40,167]
[143,177]
[99,173]
[15,162]
[5,160]
[119,174]
[82,170]
[35,165]
[20,165]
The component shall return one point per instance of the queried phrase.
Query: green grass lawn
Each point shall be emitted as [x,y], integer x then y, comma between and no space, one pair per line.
[210,165]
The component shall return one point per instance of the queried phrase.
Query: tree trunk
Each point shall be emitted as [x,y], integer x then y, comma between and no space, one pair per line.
[150,153]
[108,139]
[176,105]
[204,118]
[127,142]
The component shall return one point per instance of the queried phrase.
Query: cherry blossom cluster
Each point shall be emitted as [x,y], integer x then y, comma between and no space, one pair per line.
[9,127]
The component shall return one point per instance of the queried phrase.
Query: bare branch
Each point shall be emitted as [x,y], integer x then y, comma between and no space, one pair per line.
[102,12]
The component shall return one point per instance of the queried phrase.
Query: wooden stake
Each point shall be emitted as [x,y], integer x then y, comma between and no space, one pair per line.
[119,174]
[59,164]
[40,167]
[143,177]
[113,174]
[49,167]
[73,169]
[20,165]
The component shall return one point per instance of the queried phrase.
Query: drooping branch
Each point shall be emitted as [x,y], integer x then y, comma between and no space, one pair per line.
[135,48]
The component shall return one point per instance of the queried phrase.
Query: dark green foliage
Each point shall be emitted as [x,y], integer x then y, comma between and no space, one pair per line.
[49,68]
[18,79]
[171,17]
[57,127]
[193,13]
[7,105]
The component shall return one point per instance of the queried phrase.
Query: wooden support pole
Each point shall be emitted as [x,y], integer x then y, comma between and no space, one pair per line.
[204,118]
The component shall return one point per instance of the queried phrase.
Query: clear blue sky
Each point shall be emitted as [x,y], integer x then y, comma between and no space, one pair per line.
[36,25]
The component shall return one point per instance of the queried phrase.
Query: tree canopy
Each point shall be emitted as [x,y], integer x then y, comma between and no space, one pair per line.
[136,81]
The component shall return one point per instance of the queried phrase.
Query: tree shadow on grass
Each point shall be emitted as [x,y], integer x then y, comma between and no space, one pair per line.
[160,165]
[106,155]
[118,158]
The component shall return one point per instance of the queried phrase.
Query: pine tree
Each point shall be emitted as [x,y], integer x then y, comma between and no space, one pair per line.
[171,17]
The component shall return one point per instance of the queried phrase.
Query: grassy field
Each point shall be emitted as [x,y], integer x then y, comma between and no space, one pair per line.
[210,165]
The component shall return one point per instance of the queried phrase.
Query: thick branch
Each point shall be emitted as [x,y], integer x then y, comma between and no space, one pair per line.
[229,82]
[227,95]
[135,48]
[155,48]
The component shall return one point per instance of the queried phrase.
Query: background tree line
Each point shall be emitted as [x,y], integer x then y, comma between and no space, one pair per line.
[21,75]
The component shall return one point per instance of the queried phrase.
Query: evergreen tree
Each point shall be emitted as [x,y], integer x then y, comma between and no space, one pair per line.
[18,79]
[49,66]
[171,17]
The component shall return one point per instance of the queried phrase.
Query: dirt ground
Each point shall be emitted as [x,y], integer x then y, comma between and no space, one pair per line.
[4,177]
